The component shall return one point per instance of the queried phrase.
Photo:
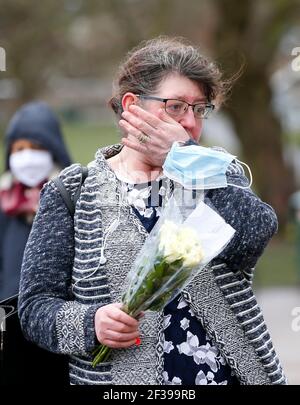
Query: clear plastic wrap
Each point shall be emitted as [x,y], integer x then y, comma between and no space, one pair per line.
[174,252]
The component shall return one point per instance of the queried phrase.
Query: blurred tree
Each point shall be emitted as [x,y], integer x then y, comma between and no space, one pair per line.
[32,34]
[253,29]
[245,32]
[76,38]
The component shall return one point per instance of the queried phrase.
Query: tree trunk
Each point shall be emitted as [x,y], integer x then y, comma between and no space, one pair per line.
[252,30]
[260,135]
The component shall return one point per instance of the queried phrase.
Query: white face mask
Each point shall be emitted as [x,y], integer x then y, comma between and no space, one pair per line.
[31,167]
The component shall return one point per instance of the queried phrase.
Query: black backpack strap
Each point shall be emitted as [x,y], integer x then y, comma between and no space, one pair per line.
[66,196]
[84,174]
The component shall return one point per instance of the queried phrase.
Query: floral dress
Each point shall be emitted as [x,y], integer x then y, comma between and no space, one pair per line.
[190,357]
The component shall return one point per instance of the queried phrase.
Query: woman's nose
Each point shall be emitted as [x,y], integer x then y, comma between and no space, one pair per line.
[188,120]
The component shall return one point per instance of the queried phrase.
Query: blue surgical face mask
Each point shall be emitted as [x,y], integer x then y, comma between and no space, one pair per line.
[197,167]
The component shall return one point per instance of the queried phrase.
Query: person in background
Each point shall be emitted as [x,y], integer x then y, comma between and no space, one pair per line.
[34,153]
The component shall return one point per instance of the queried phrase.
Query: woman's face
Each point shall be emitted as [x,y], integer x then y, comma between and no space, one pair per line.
[178,87]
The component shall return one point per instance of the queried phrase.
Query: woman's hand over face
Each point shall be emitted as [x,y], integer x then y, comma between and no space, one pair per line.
[114,328]
[159,133]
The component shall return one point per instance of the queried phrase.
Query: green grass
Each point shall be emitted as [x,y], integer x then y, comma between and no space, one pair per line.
[278,264]
[84,140]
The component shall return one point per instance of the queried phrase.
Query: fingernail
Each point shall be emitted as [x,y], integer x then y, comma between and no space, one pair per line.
[137,341]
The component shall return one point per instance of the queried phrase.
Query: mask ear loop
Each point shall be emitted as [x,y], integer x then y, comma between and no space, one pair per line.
[250,175]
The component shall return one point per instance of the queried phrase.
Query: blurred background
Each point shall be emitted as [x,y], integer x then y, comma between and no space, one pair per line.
[66,52]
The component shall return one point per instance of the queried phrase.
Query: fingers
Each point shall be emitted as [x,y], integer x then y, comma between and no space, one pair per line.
[114,327]
[145,116]
[121,337]
[142,132]
[118,345]
[161,129]
[134,145]
[118,315]
[137,133]
[140,315]
[137,123]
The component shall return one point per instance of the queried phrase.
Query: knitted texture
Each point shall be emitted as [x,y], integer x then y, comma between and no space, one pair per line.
[60,254]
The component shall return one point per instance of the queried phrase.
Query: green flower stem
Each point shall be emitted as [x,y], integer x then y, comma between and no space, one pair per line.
[153,292]
[101,354]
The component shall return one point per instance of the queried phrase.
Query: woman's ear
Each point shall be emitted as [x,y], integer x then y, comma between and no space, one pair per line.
[128,99]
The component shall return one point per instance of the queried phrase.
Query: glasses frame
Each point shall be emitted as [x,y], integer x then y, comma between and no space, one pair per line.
[208,106]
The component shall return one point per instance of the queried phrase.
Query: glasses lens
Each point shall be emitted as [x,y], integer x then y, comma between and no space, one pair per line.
[203,110]
[176,107]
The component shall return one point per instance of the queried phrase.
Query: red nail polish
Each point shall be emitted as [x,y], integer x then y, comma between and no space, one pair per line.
[137,341]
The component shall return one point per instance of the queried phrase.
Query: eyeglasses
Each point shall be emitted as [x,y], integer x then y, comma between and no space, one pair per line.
[177,108]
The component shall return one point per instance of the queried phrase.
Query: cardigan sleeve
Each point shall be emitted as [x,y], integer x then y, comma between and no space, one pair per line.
[48,315]
[255,222]
[3,226]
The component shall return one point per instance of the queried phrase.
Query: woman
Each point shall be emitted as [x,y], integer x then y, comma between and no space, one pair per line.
[213,332]
[35,152]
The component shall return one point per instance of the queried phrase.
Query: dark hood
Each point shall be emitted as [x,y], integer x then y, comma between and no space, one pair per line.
[36,122]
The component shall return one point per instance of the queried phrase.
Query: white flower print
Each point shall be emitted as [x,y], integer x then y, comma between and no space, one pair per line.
[162,191]
[208,379]
[136,197]
[190,346]
[192,312]
[175,380]
[201,354]
[184,323]
[201,378]
[210,376]
[158,211]
[211,357]
[148,212]
[168,346]
[182,303]
[167,321]
[129,186]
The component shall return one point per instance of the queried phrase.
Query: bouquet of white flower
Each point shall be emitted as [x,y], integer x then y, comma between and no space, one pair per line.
[170,257]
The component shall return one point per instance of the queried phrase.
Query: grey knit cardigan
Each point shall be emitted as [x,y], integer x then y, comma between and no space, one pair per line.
[64,282]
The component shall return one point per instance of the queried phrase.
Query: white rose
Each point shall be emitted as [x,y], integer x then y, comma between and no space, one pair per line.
[177,242]
[169,244]
[194,257]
